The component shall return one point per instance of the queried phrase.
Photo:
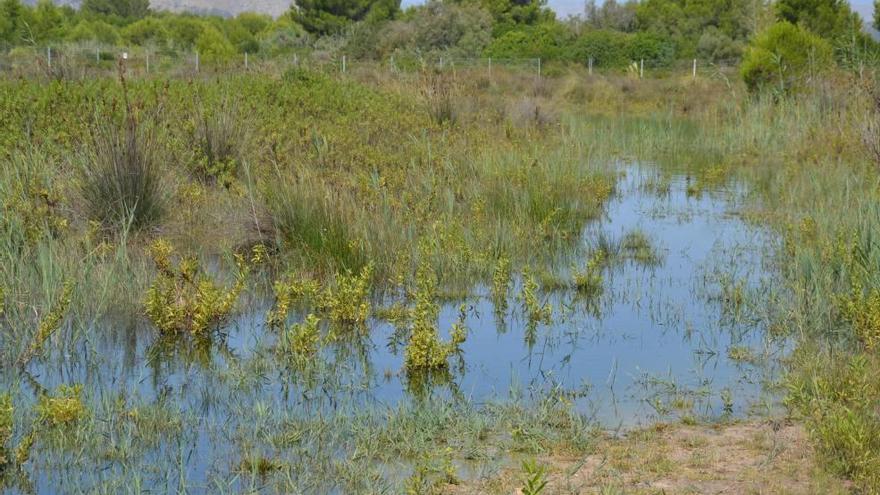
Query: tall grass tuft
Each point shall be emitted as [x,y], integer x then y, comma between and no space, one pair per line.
[217,135]
[121,184]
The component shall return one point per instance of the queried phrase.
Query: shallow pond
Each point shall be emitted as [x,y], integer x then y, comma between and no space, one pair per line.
[679,333]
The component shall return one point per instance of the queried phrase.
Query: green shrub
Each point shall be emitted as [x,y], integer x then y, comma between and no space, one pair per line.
[784,57]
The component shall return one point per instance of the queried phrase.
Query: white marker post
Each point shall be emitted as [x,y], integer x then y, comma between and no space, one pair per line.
[245,61]
[642,68]
[590,66]
[197,61]
[49,56]
[695,69]
[343,64]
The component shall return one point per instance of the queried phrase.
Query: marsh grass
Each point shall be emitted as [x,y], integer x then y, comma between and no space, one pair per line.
[341,174]
[121,182]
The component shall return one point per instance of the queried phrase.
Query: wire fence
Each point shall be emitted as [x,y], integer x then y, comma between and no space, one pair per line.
[81,61]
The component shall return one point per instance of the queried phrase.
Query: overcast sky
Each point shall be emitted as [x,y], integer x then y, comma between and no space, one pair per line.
[564,8]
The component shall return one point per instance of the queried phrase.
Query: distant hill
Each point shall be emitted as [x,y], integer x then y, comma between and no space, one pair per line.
[215,7]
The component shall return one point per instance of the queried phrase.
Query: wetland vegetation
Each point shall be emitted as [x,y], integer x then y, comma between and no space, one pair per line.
[441,279]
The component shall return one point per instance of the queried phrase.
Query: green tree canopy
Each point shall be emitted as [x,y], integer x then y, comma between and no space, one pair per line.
[510,14]
[12,21]
[324,17]
[831,19]
[128,9]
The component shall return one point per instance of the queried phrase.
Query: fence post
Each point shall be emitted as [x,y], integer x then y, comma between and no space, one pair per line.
[343,64]
[590,64]
[695,69]
[197,61]
[49,56]
[97,55]
[148,62]
[539,68]
[641,68]
[490,66]
[245,61]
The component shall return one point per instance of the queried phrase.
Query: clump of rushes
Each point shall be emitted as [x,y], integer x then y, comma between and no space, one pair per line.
[589,280]
[121,185]
[48,325]
[183,299]
[425,351]
[501,284]
[536,312]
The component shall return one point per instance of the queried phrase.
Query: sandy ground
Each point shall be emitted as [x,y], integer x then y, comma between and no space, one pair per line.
[768,457]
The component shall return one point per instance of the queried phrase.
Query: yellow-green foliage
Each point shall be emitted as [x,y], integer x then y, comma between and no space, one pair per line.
[182,299]
[425,350]
[536,312]
[303,340]
[862,311]
[65,407]
[348,303]
[35,208]
[838,398]
[501,284]
[6,411]
[287,293]
[589,280]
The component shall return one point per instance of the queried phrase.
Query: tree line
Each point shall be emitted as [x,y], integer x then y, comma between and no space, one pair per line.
[612,34]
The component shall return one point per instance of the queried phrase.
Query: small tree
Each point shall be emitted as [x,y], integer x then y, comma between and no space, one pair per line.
[784,57]
[324,17]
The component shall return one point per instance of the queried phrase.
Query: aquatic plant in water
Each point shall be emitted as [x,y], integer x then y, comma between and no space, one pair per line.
[49,324]
[536,312]
[303,340]
[63,408]
[589,280]
[501,284]
[425,351]
[183,299]
[348,303]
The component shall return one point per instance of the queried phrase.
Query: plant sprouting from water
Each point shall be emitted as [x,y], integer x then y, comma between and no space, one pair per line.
[303,340]
[589,280]
[288,292]
[49,324]
[501,279]
[183,299]
[65,407]
[348,303]
[425,350]
[536,311]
